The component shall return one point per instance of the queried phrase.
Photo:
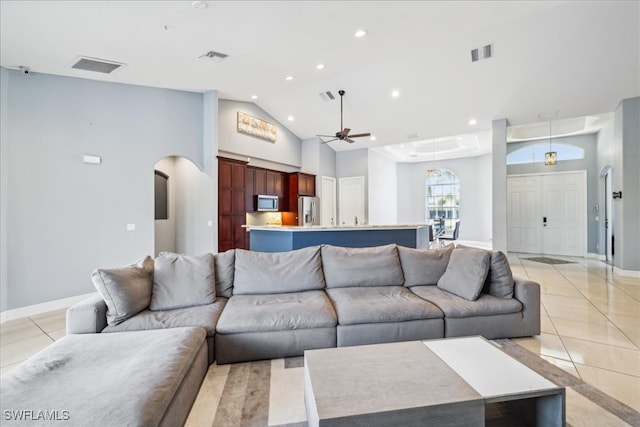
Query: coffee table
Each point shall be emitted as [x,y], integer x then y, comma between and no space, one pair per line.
[445,382]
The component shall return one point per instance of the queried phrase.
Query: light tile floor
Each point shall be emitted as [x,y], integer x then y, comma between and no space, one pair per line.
[590,326]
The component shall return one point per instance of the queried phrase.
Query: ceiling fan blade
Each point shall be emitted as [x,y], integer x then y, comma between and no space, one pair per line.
[327,136]
[331,140]
[349,140]
[345,132]
[358,135]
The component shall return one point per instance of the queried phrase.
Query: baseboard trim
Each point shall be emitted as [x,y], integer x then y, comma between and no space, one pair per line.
[626,273]
[597,256]
[31,310]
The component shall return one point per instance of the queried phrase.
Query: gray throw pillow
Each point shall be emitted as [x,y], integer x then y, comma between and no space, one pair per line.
[126,291]
[499,281]
[225,262]
[466,273]
[183,281]
[277,272]
[373,266]
[424,266]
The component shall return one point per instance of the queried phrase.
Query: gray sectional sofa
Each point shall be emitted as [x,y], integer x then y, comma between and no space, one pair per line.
[269,305]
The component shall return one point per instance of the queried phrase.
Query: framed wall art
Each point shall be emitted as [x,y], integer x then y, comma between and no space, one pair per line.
[256,127]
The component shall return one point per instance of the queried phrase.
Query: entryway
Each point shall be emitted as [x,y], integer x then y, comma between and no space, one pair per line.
[547,213]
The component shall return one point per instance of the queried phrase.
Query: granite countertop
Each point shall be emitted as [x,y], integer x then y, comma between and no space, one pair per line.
[334,227]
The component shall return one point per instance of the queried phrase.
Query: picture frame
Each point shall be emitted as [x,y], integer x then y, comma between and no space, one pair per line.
[256,127]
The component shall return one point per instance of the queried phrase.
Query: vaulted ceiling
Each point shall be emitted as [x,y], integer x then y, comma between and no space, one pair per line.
[559,59]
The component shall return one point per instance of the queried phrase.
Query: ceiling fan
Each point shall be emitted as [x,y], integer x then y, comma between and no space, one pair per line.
[343,135]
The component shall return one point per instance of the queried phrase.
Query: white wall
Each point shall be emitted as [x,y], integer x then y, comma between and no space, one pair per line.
[193,234]
[383,189]
[475,194]
[284,154]
[65,218]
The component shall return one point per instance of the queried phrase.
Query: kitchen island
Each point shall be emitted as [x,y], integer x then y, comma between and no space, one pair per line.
[287,238]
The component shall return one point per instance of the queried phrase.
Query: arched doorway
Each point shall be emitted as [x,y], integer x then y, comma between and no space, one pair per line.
[185,193]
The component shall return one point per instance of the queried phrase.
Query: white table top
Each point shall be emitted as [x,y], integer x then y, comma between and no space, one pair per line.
[296,228]
[491,372]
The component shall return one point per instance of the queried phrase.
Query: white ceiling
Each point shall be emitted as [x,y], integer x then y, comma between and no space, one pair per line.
[551,59]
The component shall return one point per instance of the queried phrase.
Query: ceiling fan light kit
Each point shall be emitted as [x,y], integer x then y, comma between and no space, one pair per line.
[344,134]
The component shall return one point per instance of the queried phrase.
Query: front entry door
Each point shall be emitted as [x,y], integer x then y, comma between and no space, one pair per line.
[547,213]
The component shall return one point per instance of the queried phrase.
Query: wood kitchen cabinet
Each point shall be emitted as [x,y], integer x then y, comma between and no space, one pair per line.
[264,181]
[300,184]
[231,204]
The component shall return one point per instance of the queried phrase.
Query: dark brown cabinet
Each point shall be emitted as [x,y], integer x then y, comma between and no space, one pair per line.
[300,184]
[264,181]
[231,204]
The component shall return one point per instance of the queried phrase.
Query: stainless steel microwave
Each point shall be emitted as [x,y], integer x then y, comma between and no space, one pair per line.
[266,203]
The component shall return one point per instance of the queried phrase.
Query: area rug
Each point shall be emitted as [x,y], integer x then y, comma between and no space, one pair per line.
[552,261]
[270,393]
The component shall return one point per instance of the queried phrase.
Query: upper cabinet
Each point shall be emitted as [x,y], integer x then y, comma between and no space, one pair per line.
[303,183]
[264,181]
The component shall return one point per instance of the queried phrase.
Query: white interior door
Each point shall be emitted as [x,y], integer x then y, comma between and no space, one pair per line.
[523,214]
[351,198]
[328,201]
[546,213]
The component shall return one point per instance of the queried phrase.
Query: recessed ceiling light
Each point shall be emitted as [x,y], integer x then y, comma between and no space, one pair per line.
[320,67]
[402,145]
[289,78]
[373,137]
[199,4]
[254,96]
[360,33]
[473,122]
[395,93]
[290,118]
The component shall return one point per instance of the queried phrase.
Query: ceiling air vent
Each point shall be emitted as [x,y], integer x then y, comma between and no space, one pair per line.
[327,96]
[96,65]
[484,52]
[214,56]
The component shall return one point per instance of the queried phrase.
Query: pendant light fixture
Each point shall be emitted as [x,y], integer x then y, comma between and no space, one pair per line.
[550,157]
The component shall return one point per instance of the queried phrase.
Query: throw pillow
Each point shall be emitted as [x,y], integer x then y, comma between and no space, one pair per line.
[183,281]
[126,291]
[372,266]
[466,273]
[278,272]
[424,266]
[225,262]
[499,281]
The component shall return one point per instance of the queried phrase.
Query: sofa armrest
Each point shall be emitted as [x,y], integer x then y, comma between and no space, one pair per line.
[528,293]
[88,316]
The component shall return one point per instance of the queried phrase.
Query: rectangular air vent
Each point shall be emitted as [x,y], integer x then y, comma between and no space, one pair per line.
[327,96]
[484,52]
[96,65]
[214,56]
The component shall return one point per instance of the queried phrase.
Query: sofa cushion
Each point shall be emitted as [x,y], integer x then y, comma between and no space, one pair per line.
[499,281]
[456,307]
[278,272]
[424,266]
[204,316]
[182,281]
[126,291]
[374,266]
[466,273]
[127,379]
[225,266]
[277,312]
[380,304]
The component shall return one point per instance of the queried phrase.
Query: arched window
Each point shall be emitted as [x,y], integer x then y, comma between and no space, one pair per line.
[535,153]
[442,198]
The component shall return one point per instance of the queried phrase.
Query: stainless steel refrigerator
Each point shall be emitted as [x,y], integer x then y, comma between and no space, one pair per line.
[308,211]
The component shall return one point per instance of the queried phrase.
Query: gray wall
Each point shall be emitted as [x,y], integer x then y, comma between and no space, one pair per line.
[475,194]
[499,184]
[383,189]
[284,154]
[627,209]
[589,163]
[65,218]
